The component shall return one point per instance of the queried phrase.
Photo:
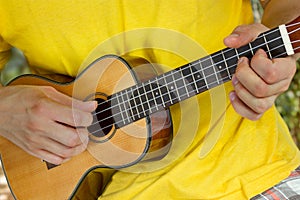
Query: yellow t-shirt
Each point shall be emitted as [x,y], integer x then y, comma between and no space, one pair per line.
[216,154]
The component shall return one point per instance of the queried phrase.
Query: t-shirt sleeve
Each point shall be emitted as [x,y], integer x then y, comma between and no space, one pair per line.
[4,52]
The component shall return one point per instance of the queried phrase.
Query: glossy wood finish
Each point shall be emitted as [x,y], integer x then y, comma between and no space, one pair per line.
[29,177]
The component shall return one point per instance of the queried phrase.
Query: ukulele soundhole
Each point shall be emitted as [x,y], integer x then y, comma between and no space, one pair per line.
[103,121]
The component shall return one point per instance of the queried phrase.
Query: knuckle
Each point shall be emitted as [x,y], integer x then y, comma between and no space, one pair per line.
[284,88]
[30,145]
[242,28]
[90,119]
[271,76]
[56,160]
[261,106]
[66,153]
[260,90]
[83,119]
[31,126]
[39,107]
[48,89]
[73,140]
[255,117]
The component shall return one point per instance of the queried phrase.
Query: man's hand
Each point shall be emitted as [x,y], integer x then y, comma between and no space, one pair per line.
[45,123]
[259,81]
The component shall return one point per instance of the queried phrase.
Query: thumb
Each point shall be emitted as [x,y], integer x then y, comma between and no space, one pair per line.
[243,35]
[88,106]
[66,100]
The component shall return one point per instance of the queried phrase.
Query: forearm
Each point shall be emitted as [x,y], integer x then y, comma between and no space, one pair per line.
[277,12]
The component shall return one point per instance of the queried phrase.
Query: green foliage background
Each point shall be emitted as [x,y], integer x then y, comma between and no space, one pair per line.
[288,104]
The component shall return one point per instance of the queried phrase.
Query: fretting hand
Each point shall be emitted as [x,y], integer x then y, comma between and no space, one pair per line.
[259,81]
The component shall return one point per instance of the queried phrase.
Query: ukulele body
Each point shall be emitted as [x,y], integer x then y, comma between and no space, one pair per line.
[146,139]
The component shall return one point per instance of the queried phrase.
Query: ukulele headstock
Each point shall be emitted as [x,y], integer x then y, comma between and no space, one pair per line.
[293,29]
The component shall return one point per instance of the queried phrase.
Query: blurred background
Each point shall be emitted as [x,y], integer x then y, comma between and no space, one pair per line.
[288,104]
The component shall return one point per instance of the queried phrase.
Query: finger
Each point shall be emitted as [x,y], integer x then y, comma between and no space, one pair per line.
[61,113]
[243,35]
[53,151]
[49,157]
[257,104]
[254,83]
[242,108]
[272,71]
[69,137]
[37,146]
[57,96]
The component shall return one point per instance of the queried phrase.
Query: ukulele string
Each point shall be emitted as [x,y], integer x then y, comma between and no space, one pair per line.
[260,36]
[189,93]
[224,51]
[205,59]
[170,100]
[133,116]
[293,31]
[294,24]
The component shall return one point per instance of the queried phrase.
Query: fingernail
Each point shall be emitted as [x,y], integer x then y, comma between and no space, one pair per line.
[235,81]
[227,40]
[241,60]
[232,96]
[95,104]
[92,104]
[261,52]
[234,35]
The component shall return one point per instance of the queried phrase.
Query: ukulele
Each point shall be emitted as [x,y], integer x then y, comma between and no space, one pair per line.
[132,122]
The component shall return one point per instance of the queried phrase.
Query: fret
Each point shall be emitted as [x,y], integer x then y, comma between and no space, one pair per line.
[168,86]
[172,78]
[275,43]
[157,94]
[133,102]
[125,108]
[198,76]
[164,92]
[221,66]
[128,109]
[231,59]
[189,69]
[209,72]
[251,49]
[150,97]
[190,75]
[185,86]
[215,72]
[181,85]
[171,86]
[190,79]
[126,105]
[115,111]
[223,61]
[121,108]
[237,53]
[153,95]
[143,99]
[244,51]
[259,43]
[267,46]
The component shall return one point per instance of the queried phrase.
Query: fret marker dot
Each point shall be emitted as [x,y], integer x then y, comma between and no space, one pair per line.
[198,76]
[220,67]
[156,93]
[172,87]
